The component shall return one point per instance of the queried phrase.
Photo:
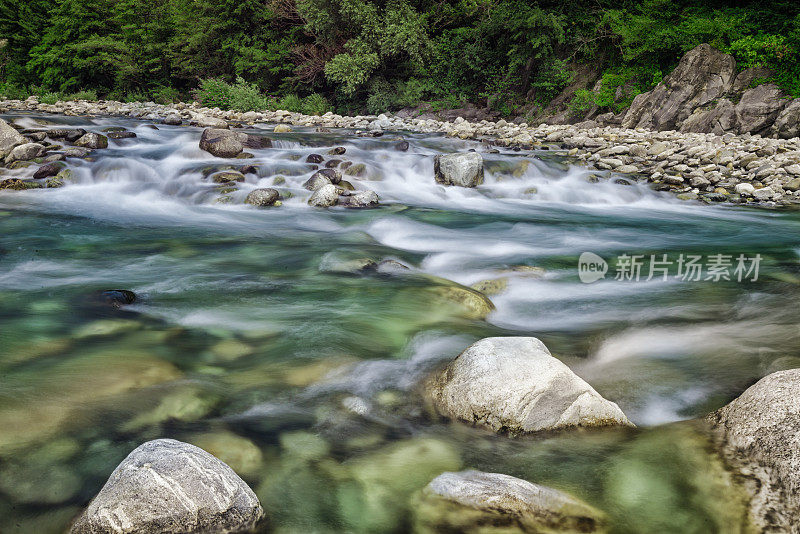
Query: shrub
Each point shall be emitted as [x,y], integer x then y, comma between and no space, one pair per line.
[774,52]
[49,98]
[135,96]
[12,91]
[315,104]
[82,95]
[165,95]
[214,93]
[290,103]
[245,97]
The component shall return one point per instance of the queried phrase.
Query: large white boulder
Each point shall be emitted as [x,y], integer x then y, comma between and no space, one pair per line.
[759,433]
[513,384]
[468,501]
[167,486]
[463,170]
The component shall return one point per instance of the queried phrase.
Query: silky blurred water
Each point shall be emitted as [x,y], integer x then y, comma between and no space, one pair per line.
[250,339]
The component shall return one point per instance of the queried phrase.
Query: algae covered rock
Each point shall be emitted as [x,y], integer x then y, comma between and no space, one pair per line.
[468,501]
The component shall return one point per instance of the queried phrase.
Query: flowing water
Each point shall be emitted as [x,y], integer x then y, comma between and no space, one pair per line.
[250,338]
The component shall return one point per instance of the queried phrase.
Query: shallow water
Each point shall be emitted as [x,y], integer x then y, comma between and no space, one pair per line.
[247,339]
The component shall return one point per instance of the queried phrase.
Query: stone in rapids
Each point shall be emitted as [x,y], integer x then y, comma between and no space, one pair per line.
[514,385]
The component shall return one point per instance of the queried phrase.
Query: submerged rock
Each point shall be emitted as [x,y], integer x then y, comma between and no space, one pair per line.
[263,197]
[221,143]
[116,298]
[166,486]
[468,501]
[513,384]
[463,170]
[759,433]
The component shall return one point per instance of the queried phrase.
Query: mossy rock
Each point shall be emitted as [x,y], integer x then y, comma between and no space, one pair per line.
[359,170]
[491,287]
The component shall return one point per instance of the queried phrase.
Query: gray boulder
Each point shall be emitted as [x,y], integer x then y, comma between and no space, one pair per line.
[749,77]
[167,486]
[787,125]
[9,138]
[320,178]
[718,120]
[513,384]
[173,119]
[759,433]
[262,197]
[469,500]
[759,107]
[221,143]
[463,170]
[205,121]
[25,152]
[360,199]
[702,75]
[325,197]
[92,140]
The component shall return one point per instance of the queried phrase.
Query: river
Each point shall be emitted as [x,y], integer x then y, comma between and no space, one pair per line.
[252,337]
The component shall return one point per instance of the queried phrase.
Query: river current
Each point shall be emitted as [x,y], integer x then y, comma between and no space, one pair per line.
[253,337]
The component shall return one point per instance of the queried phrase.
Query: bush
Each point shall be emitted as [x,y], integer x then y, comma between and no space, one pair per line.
[49,98]
[165,95]
[214,93]
[12,91]
[135,96]
[774,52]
[246,97]
[290,103]
[315,104]
[82,95]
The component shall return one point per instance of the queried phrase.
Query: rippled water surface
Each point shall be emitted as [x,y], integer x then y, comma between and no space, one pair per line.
[251,339]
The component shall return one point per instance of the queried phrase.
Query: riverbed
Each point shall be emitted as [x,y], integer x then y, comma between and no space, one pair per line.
[254,337]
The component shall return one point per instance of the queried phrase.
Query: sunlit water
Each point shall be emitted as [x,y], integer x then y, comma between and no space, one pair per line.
[245,340]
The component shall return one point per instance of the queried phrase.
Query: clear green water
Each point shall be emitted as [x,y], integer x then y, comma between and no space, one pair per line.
[246,340]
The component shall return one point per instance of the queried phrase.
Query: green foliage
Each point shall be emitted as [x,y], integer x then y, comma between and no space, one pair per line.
[82,95]
[378,54]
[13,91]
[315,104]
[49,97]
[290,103]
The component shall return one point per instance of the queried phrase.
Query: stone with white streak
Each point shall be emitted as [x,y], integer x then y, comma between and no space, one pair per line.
[167,486]
[514,384]
[469,500]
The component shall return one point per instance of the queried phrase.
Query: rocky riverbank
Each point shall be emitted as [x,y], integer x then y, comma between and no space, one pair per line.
[738,168]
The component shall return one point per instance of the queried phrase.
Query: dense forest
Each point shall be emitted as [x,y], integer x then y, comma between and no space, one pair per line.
[376,55]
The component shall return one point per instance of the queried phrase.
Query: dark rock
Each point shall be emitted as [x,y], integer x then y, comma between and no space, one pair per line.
[37,137]
[116,298]
[749,78]
[333,163]
[73,135]
[337,151]
[48,169]
[15,184]
[257,142]
[314,158]
[121,135]
[402,146]
[221,143]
